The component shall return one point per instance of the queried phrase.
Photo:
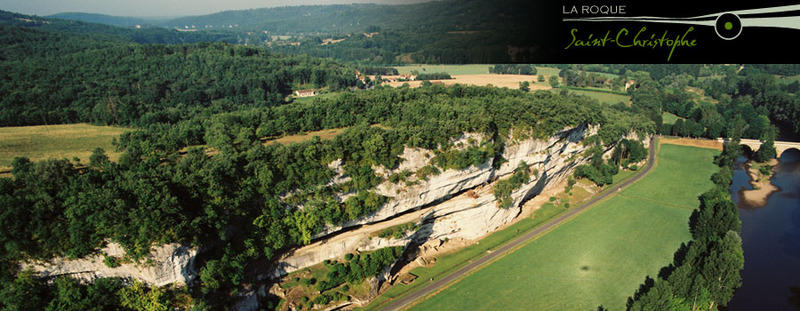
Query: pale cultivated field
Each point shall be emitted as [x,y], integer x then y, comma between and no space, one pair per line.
[508,81]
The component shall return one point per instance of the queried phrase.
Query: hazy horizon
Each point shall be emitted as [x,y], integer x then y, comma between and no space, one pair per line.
[160,8]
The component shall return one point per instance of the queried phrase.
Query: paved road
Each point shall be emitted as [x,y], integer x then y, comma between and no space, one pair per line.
[499,252]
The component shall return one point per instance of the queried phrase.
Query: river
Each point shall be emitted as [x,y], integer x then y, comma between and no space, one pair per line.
[771,241]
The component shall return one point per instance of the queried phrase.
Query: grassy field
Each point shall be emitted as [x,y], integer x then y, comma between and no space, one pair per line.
[683,174]
[451,69]
[669,118]
[311,98]
[788,79]
[451,261]
[56,141]
[602,255]
[605,98]
[547,72]
[296,138]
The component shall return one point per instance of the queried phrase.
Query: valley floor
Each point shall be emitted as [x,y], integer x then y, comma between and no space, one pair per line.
[602,255]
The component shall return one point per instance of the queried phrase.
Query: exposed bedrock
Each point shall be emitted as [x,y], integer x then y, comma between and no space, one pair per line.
[452,204]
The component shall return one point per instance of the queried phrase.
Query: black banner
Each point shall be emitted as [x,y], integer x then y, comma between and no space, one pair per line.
[652,32]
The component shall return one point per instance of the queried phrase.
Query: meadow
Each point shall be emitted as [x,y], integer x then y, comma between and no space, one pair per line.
[602,255]
[56,141]
[669,118]
[451,69]
[603,97]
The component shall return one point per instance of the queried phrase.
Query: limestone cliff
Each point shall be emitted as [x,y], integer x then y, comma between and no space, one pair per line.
[442,204]
[168,263]
[452,204]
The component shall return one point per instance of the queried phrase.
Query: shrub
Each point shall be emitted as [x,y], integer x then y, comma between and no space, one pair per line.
[765,170]
[308,282]
[110,261]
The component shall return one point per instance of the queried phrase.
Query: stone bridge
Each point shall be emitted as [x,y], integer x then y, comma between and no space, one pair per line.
[780,146]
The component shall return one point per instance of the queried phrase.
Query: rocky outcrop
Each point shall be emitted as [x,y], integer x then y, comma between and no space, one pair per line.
[444,208]
[166,264]
[405,197]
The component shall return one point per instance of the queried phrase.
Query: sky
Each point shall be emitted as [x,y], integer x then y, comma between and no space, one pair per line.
[161,8]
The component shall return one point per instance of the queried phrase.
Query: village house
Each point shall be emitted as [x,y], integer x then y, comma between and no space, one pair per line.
[404,77]
[628,84]
[305,93]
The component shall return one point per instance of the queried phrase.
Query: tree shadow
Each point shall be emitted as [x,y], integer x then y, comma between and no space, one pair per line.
[643,289]
[413,248]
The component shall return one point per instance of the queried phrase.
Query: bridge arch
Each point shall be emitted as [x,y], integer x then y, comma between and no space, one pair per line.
[748,151]
[794,151]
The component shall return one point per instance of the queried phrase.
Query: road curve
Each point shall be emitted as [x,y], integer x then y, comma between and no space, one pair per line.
[436,285]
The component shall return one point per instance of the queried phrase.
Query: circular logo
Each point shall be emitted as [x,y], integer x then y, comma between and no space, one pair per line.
[728,26]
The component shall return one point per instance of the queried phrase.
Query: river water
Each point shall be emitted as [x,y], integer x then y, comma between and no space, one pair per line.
[771,241]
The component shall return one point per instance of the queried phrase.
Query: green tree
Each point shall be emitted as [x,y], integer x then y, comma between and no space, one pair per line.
[658,297]
[554,81]
[525,86]
[139,297]
[722,267]
[767,149]
[24,293]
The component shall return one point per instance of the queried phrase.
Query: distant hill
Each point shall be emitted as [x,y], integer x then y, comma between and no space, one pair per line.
[329,19]
[144,35]
[450,31]
[333,19]
[106,19]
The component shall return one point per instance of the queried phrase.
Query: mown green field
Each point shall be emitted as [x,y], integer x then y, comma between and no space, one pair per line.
[451,69]
[669,118]
[601,256]
[311,98]
[547,72]
[56,141]
[605,98]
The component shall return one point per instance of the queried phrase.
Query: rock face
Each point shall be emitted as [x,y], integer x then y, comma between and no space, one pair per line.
[450,205]
[168,263]
[442,206]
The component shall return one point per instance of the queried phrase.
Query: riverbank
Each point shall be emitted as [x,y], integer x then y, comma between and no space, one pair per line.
[761,183]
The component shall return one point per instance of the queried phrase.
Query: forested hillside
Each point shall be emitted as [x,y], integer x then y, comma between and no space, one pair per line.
[105,19]
[54,78]
[452,31]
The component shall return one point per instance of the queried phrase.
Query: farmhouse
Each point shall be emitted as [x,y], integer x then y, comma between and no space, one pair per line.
[305,93]
[629,83]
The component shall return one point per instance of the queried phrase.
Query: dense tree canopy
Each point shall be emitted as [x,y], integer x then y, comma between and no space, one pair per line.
[111,82]
[211,181]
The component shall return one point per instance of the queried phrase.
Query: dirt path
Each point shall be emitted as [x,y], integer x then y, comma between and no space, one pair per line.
[441,283]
